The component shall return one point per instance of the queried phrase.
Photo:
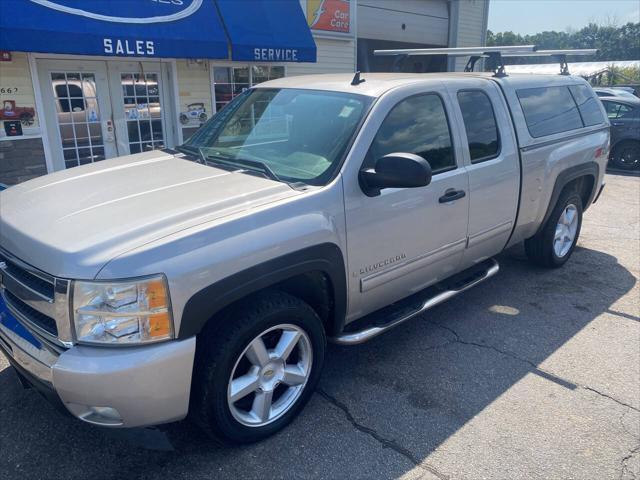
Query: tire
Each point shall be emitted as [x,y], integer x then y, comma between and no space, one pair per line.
[541,248]
[626,155]
[230,351]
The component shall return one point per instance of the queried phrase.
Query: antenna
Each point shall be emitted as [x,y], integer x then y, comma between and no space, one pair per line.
[357,80]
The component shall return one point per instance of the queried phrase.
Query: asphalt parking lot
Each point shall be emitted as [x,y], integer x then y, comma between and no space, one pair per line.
[533,374]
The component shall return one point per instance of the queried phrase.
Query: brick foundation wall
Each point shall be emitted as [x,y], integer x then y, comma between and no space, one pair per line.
[21,160]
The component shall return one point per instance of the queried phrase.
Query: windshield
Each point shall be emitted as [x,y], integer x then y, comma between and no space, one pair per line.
[292,135]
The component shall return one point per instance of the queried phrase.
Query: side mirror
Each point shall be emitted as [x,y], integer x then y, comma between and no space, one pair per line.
[395,170]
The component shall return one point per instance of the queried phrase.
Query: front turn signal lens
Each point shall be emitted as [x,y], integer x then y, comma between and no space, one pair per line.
[122,313]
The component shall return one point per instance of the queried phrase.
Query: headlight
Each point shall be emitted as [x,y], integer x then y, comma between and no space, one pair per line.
[124,312]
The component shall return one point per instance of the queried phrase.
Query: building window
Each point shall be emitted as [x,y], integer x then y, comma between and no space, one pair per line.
[229,82]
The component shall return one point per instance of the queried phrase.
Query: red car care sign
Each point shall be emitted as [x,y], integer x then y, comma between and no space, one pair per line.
[329,15]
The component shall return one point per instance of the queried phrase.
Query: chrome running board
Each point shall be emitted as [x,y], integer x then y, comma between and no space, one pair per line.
[489,269]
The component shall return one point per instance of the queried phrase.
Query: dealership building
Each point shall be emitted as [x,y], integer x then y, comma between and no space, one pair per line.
[81,81]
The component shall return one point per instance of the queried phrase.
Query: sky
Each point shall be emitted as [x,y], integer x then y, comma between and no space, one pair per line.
[534,16]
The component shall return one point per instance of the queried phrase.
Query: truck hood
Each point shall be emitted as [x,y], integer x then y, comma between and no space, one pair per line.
[71,223]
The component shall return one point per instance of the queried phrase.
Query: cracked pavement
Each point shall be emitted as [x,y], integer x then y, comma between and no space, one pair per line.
[533,374]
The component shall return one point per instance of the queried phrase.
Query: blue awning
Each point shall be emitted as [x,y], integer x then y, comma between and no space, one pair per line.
[253,30]
[267,30]
[129,28]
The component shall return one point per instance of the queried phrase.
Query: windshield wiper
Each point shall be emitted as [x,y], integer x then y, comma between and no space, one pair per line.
[243,162]
[185,149]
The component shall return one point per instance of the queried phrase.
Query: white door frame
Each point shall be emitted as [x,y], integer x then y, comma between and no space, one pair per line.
[49,111]
[115,69]
[42,123]
[171,89]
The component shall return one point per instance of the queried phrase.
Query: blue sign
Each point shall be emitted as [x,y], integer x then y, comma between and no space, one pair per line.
[128,28]
[155,11]
[274,31]
[253,30]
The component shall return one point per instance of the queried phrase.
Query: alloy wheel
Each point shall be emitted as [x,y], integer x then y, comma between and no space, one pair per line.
[565,231]
[270,375]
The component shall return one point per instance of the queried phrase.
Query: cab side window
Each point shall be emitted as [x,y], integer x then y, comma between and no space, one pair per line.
[480,125]
[416,125]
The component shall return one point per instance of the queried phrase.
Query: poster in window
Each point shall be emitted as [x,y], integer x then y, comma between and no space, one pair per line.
[17,102]
[11,111]
[329,15]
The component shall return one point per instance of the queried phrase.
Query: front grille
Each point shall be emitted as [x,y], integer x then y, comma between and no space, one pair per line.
[39,283]
[46,323]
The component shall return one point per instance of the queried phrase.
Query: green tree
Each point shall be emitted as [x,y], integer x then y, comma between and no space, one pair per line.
[613,42]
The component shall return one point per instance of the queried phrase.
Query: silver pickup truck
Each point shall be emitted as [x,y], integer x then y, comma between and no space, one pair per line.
[206,280]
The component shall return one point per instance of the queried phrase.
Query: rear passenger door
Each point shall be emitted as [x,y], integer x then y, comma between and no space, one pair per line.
[491,159]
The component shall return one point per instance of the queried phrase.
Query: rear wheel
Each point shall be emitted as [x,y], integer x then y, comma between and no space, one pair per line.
[552,246]
[626,155]
[254,375]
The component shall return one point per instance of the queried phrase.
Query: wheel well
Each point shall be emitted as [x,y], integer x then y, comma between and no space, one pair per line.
[313,288]
[622,142]
[584,186]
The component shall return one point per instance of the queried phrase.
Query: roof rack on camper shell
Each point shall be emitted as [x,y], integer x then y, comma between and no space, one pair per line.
[493,54]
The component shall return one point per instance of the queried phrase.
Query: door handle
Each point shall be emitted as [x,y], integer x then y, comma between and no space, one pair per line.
[617,124]
[451,195]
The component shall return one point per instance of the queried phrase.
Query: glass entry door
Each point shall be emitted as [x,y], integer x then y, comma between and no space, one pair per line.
[140,101]
[96,110]
[78,113]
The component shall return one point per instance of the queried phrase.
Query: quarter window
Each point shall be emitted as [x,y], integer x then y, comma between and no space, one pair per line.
[480,125]
[617,110]
[416,125]
[549,110]
[587,105]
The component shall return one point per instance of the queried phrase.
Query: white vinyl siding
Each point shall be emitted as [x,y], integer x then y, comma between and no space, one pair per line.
[334,56]
[471,27]
[194,84]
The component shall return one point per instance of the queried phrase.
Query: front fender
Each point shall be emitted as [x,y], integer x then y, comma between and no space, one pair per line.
[213,264]
[326,258]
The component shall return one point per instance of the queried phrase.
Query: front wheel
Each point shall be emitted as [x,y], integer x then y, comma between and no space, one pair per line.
[552,246]
[253,376]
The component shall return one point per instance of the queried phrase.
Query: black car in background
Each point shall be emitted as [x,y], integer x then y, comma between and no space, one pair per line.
[624,115]
[615,92]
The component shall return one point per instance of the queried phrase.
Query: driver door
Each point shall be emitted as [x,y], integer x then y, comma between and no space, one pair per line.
[406,239]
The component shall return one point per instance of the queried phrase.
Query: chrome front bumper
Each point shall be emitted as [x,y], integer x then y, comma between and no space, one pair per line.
[108,386]
[114,387]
